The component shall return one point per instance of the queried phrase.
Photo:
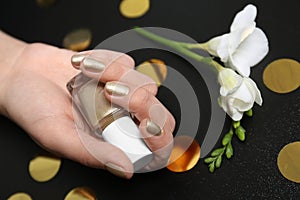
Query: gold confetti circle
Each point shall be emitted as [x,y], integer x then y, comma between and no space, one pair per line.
[134,8]
[282,75]
[288,162]
[155,69]
[78,40]
[183,159]
[81,193]
[43,168]
[20,196]
[45,3]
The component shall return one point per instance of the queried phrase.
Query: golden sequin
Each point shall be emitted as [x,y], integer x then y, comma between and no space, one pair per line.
[282,75]
[43,168]
[78,40]
[155,69]
[81,193]
[288,162]
[183,159]
[20,196]
[134,8]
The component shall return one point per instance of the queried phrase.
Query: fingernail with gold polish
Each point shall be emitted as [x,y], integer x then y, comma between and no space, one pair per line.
[92,65]
[77,59]
[116,170]
[116,89]
[153,128]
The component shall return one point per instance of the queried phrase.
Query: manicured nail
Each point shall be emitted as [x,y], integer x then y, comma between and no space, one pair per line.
[77,59]
[92,65]
[116,170]
[153,128]
[116,89]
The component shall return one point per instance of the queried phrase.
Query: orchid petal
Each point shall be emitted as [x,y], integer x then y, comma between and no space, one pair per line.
[244,18]
[223,47]
[232,111]
[258,97]
[244,70]
[243,98]
[251,51]
[222,103]
[242,106]
[234,40]
[218,46]
[213,45]
[229,81]
[237,116]
[243,94]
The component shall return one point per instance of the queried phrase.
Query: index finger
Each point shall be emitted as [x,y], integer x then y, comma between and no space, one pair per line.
[106,56]
[106,66]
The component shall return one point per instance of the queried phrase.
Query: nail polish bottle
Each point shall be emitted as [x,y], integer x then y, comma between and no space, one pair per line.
[111,122]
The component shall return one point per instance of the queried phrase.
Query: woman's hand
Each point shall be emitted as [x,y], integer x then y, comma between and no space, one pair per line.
[33,94]
[134,92]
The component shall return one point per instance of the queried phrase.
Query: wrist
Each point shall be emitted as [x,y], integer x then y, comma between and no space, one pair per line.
[10,51]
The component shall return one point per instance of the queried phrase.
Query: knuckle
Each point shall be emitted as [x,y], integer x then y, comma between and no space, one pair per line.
[129,60]
[114,72]
[152,88]
[139,99]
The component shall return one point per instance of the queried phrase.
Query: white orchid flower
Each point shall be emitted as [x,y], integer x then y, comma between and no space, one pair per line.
[245,45]
[237,94]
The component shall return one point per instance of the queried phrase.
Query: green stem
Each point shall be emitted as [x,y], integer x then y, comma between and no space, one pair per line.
[181,47]
[196,46]
[167,42]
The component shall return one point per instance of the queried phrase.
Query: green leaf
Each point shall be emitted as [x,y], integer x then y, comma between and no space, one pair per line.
[226,139]
[242,128]
[240,132]
[229,151]
[236,124]
[217,152]
[209,159]
[219,161]
[249,113]
[212,167]
[230,132]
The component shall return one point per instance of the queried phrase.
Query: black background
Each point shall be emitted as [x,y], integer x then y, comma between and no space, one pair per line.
[251,174]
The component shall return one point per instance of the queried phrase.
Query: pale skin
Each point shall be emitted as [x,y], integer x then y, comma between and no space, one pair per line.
[33,94]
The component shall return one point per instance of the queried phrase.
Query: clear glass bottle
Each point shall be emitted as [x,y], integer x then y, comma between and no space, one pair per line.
[111,122]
